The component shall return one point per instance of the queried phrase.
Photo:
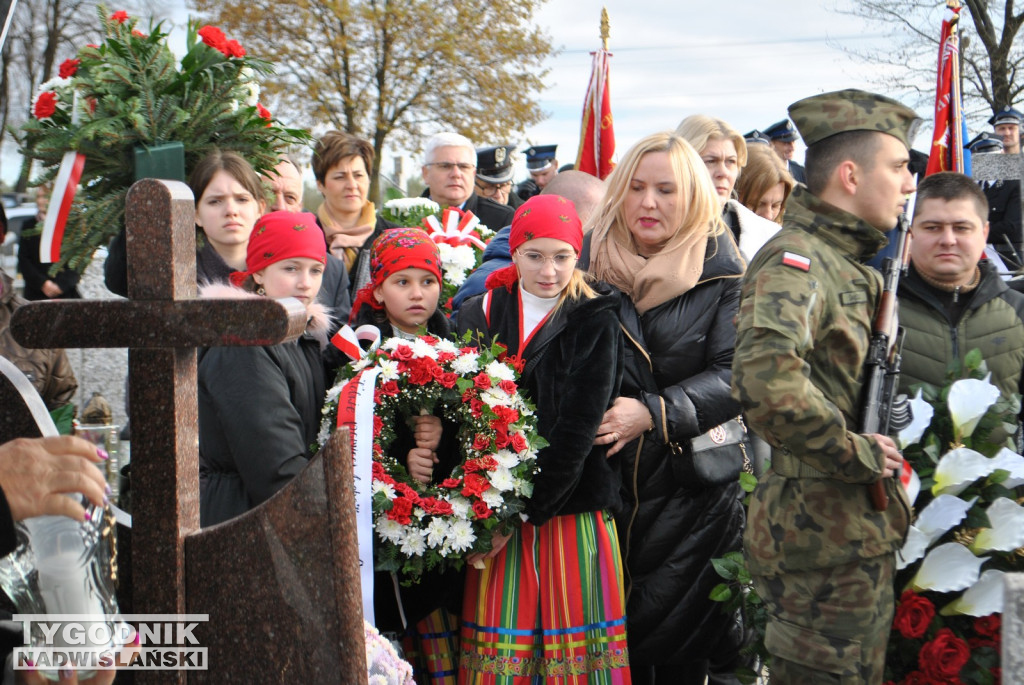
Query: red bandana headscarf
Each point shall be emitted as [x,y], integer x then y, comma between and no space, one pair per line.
[395,250]
[282,235]
[542,216]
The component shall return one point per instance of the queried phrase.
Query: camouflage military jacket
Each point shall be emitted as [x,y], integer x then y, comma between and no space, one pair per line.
[803,330]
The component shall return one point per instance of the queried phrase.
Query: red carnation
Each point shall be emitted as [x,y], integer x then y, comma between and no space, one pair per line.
[435,506]
[120,16]
[481,442]
[481,510]
[445,357]
[988,626]
[942,658]
[404,490]
[378,426]
[378,471]
[474,485]
[506,414]
[913,615]
[450,483]
[501,438]
[46,105]
[400,511]
[518,443]
[263,112]
[234,49]
[69,68]
[429,339]
[508,386]
[390,388]
[476,408]
[214,37]
[482,381]
[469,395]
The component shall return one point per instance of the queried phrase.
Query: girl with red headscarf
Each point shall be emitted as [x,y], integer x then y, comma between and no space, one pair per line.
[259,407]
[548,603]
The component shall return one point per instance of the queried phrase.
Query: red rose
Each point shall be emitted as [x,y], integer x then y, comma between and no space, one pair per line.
[913,615]
[402,353]
[508,386]
[942,658]
[264,113]
[482,381]
[69,67]
[390,388]
[979,642]
[400,511]
[378,426]
[988,626]
[234,49]
[46,105]
[450,483]
[445,357]
[404,490]
[120,16]
[429,339]
[917,678]
[474,485]
[518,443]
[481,510]
[214,37]
[481,442]
[476,408]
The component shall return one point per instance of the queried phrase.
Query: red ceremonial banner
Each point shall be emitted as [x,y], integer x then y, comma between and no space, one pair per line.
[597,134]
[947,153]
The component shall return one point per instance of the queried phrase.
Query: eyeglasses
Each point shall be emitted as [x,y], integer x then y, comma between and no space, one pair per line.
[487,189]
[534,261]
[446,167]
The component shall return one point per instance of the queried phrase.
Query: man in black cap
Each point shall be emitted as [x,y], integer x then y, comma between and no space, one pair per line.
[494,175]
[542,165]
[783,136]
[1007,125]
[1004,210]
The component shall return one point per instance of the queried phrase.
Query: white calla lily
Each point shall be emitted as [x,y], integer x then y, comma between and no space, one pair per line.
[947,568]
[1011,462]
[941,514]
[922,413]
[968,400]
[983,598]
[913,549]
[1007,531]
[958,468]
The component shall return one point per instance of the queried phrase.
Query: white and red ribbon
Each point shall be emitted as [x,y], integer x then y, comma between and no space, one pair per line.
[64,187]
[455,227]
[910,481]
[348,341]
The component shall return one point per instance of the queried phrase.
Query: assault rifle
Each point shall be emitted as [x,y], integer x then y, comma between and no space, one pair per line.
[882,366]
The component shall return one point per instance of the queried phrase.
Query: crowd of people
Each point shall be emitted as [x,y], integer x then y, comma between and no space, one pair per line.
[708,278]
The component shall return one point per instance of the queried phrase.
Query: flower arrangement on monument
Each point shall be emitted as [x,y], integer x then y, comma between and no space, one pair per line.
[968,532]
[459,235]
[422,527]
[131,91]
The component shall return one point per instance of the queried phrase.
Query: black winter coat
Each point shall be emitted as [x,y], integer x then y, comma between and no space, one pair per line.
[672,528]
[572,374]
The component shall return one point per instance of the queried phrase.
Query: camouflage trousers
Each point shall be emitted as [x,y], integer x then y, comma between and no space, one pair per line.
[829,625]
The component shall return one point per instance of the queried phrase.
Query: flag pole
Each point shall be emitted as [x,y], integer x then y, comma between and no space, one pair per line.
[606,25]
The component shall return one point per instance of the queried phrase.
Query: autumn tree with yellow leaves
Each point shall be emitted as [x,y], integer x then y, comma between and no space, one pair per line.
[396,70]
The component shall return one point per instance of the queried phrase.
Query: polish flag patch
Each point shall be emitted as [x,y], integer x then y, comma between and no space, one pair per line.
[796,261]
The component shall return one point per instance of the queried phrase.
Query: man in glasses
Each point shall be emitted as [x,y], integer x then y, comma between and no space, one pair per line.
[449,170]
[494,175]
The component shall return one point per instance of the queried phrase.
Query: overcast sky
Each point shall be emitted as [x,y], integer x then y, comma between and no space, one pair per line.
[743,61]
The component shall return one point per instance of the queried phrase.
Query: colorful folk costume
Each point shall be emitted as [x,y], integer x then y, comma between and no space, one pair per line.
[549,607]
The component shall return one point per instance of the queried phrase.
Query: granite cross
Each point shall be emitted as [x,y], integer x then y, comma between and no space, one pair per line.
[162,323]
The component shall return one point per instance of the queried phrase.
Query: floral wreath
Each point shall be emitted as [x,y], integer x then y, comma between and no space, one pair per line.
[420,527]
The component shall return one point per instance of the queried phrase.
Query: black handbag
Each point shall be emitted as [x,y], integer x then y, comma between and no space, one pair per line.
[716,457]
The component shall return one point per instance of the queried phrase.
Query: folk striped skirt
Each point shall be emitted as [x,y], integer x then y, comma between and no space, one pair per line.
[549,608]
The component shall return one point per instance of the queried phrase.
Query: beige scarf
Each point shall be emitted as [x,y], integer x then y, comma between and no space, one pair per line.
[352,238]
[653,280]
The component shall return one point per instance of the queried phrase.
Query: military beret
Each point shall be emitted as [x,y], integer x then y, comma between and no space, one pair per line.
[782,130]
[756,137]
[494,164]
[540,157]
[1008,116]
[822,116]
[985,142]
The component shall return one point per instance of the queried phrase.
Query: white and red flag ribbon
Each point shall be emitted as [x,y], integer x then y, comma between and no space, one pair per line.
[455,227]
[64,187]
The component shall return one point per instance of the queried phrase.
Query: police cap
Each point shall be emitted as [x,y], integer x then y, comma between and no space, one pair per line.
[540,157]
[985,142]
[823,116]
[757,138]
[494,164]
[1008,116]
[782,130]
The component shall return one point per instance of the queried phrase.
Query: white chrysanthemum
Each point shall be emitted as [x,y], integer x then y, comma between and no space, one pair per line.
[405,204]
[455,276]
[466,364]
[495,397]
[54,83]
[392,531]
[233,105]
[388,369]
[506,459]
[446,346]
[460,506]
[333,393]
[437,531]
[462,257]
[460,536]
[387,488]
[393,343]
[415,542]
[360,364]
[422,349]
[325,432]
[492,498]
[502,372]
[501,479]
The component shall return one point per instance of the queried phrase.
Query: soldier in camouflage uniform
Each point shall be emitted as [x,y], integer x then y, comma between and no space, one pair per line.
[822,558]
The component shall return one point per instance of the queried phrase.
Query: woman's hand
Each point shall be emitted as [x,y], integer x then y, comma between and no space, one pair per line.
[427,431]
[498,542]
[36,473]
[627,419]
[420,463]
